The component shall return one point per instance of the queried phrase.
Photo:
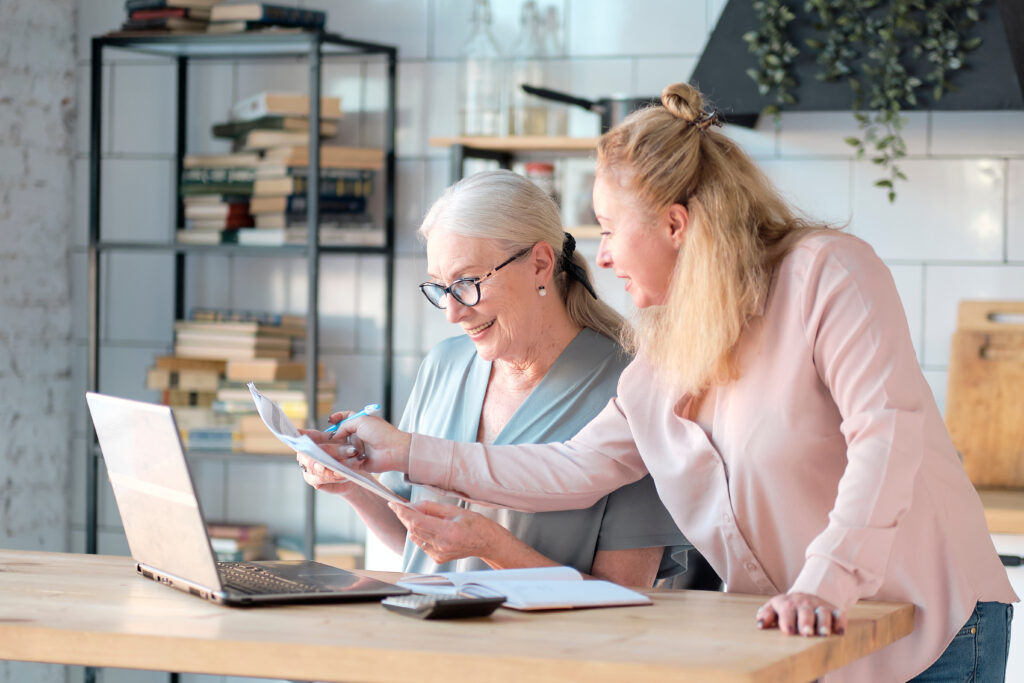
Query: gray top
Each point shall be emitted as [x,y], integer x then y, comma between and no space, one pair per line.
[447,400]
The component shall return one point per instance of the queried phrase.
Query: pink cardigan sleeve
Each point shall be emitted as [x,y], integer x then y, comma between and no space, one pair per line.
[857,332]
[535,477]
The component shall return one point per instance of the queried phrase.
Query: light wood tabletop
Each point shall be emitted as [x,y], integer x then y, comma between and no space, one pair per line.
[95,611]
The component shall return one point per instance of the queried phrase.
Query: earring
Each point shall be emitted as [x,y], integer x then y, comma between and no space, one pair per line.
[542,290]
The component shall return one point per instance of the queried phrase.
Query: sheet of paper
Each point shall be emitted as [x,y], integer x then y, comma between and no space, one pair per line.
[281,427]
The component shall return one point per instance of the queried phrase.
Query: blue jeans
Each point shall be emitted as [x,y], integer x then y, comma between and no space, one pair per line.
[978,652]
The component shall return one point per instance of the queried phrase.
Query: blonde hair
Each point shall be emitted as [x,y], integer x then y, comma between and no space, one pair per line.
[739,228]
[511,210]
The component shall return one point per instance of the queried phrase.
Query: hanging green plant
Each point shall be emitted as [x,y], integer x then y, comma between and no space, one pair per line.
[878,47]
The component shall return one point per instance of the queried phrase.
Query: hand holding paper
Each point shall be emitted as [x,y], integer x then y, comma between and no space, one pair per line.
[281,427]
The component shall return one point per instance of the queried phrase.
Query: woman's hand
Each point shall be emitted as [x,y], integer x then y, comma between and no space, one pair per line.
[324,479]
[380,447]
[448,532]
[802,613]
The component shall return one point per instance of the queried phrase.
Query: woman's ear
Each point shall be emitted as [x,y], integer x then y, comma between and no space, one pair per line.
[543,261]
[678,221]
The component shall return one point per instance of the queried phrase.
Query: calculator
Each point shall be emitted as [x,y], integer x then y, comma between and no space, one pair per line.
[442,606]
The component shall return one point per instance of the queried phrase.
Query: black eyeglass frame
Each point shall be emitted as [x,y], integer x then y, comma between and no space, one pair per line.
[446,291]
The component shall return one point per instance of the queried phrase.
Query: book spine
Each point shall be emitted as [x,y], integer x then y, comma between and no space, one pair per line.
[159,13]
[336,187]
[200,175]
[328,204]
[293,16]
[132,5]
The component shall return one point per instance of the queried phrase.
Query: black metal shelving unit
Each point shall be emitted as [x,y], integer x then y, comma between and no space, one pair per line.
[183,48]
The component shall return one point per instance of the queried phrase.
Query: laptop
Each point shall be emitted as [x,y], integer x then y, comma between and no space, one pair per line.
[164,523]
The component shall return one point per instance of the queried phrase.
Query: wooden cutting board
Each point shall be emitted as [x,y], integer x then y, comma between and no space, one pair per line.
[985,397]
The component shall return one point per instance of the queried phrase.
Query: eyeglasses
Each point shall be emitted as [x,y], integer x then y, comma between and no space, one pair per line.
[466,290]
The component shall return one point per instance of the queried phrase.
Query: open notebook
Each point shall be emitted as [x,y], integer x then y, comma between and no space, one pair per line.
[535,588]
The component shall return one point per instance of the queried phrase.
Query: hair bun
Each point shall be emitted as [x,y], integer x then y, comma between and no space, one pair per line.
[683,101]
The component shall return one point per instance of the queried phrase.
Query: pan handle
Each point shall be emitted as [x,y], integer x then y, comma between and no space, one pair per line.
[560,97]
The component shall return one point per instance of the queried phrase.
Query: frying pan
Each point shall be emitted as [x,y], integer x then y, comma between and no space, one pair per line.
[611,109]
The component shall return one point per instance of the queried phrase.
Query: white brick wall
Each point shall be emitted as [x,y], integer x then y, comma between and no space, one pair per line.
[37,110]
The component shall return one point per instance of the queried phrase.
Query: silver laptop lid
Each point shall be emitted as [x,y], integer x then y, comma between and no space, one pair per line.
[153,488]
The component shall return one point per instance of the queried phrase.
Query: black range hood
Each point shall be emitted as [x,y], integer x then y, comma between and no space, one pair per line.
[992,80]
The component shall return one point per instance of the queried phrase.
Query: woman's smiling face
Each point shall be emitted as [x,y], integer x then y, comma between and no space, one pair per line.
[500,324]
[636,244]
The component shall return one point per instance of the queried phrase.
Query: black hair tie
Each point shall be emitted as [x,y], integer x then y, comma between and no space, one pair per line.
[570,268]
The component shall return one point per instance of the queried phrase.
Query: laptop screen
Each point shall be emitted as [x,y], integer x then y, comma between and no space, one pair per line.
[152,485]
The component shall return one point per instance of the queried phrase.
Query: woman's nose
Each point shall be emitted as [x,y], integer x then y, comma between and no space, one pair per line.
[604,257]
[454,311]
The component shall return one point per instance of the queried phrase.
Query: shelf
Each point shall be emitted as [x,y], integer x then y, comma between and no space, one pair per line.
[239,249]
[263,44]
[242,456]
[523,143]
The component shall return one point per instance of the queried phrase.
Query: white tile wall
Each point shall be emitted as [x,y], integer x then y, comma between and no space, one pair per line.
[974,134]
[951,210]
[640,27]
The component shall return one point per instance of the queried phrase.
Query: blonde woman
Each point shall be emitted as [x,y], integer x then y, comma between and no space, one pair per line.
[537,361]
[777,401]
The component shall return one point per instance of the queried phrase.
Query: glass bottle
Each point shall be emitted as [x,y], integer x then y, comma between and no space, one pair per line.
[481,78]
[556,72]
[528,113]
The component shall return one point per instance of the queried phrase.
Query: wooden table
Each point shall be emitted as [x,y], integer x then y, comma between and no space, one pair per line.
[95,611]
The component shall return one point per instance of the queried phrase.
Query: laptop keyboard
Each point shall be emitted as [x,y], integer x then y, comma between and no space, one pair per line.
[255,580]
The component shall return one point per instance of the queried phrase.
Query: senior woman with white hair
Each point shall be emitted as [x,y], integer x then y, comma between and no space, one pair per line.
[537,360]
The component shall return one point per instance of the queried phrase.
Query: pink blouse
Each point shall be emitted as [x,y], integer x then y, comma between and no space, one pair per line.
[828,469]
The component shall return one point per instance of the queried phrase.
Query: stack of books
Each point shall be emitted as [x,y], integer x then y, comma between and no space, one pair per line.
[168,16]
[237,542]
[235,17]
[215,190]
[189,386]
[346,182]
[282,381]
[228,339]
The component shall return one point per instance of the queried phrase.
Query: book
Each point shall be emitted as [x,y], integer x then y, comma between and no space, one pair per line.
[258,140]
[242,328]
[358,184]
[220,352]
[185,380]
[188,236]
[234,129]
[277,169]
[218,180]
[331,156]
[268,370]
[534,588]
[346,221]
[241,531]
[190,399]
[179,364]
[170,12]
[164,23]
[218,209]
[235,160]
[282,104]
[205,313]
[297,203]
[264,13]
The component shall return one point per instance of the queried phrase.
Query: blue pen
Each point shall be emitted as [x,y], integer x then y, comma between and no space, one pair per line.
[371,409]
